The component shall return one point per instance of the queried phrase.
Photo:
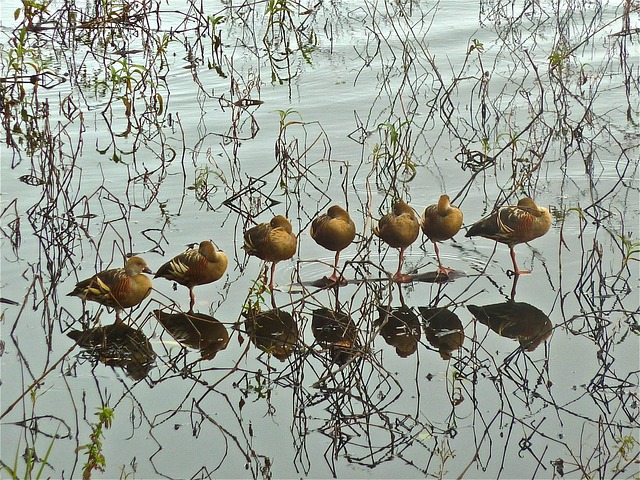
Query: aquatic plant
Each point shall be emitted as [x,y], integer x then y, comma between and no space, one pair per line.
[95,458]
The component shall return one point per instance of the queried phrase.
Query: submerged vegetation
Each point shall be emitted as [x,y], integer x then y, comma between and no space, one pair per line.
[142,128]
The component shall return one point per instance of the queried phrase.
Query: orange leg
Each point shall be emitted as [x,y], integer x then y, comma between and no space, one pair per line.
[516,270]
[273,271]
[441,268]
[400,277]
[334,278]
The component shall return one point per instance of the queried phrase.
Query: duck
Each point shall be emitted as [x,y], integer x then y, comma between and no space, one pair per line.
[441,222]
[514,224]
[271,242]
[399,229]
[334,231]
[196,266]
[117,288]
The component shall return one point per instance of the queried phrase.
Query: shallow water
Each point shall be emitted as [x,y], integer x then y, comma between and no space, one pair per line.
[390,101]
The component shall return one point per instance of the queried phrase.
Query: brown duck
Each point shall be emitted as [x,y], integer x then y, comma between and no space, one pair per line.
[334,231]
[197,266]
[514,224]
[117,288]
[399,229]
[439,223]
[271,242]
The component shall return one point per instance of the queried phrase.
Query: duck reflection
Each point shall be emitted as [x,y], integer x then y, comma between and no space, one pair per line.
[517,320]
[274,331]
[335,331]
[400,328]
[443,330]
[195,330]
[118,345]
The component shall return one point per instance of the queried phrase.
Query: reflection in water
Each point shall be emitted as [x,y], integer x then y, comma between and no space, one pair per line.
[517,320]
[335,331]
[118,345]
[195,330]
[443,330]
[274,331]
[400,328]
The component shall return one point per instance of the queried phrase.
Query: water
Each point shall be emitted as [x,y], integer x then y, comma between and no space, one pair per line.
[303,133]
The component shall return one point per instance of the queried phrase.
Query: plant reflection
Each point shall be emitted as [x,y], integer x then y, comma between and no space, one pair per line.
[103,162]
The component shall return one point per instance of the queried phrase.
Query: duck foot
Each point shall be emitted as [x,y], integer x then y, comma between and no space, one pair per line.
[326,282]
[335,279]
[517,273]
[402,278]
[445,270]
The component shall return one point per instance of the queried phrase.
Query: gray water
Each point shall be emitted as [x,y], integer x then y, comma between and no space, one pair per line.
[314,104]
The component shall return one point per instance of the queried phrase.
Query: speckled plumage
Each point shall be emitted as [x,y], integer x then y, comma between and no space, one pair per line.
[514,224]
[117,288]
[197,266]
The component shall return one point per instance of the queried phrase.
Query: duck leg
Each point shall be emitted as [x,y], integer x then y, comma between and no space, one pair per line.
[400,277]
[271,285]
[441,268]
[513,287]
[335,278]
[516,270]
[273,270]
[192,300]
